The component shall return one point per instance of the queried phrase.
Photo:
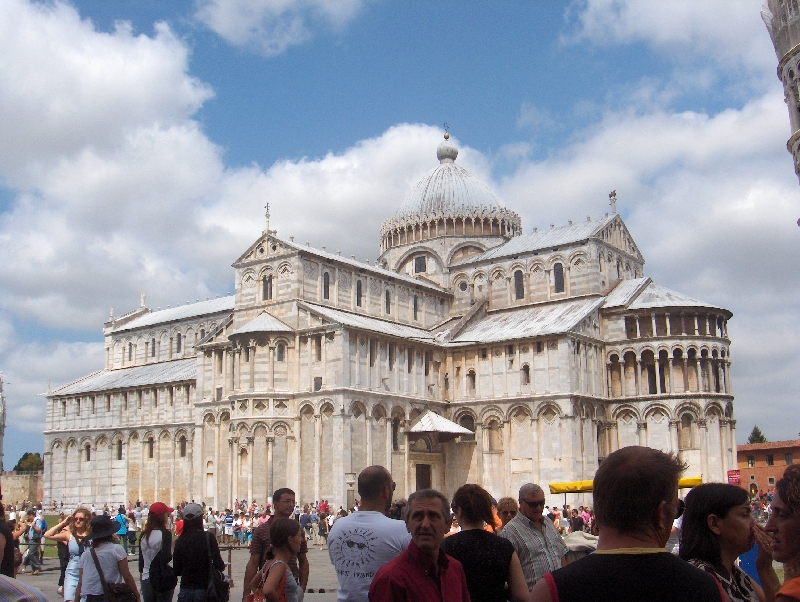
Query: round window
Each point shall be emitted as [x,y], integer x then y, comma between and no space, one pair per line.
[463,286]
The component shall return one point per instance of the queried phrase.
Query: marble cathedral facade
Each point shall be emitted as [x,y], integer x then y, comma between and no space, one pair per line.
[551,348]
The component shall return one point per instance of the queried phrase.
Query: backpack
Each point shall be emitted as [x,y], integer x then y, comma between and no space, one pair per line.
[162,575]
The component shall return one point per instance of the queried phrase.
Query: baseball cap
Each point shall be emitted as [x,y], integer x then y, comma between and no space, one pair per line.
[159,508]
[191,511]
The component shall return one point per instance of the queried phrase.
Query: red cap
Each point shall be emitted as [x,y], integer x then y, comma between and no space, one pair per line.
[159,508]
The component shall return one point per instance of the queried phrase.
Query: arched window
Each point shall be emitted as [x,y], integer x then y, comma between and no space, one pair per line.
[495,435]
[468,422]
[685,438]
[202,333]
[182,446]
[558,277]
[266,289]
[519,286]
[150,447]
[326,286]
[178,339]
[471,381]
[119,449]
[88,453]
[395,434]
[416,307]
[280,352]
[130,351]
[388,296]
[526,374]
[358,293]
[153,347]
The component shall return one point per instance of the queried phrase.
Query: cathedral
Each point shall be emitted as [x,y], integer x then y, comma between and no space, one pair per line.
[468,352]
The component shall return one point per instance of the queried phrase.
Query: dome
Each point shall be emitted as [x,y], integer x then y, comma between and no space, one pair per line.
[448,188]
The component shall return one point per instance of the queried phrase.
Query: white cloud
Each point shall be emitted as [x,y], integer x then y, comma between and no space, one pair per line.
[723,31]
[68,86]
[272,26]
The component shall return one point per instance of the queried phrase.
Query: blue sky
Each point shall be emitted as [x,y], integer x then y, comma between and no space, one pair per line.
[141,140]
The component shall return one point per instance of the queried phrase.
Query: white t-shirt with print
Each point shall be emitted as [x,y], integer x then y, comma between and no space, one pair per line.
[360,544]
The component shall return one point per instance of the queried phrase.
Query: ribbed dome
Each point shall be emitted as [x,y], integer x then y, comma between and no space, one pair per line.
[448,188]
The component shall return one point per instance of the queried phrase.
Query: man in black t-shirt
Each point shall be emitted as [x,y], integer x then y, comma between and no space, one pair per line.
[7,547]
[576,522]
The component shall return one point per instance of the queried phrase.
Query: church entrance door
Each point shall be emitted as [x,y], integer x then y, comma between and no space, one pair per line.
[423,476]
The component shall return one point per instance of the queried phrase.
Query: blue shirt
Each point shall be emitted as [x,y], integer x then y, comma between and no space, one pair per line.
[123,524]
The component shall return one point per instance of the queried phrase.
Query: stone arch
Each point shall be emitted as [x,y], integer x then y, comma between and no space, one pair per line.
[714,408]
[100,441]
[248,278]
[519,412]
[478,275]
[242,429]
[489,411]
[56,444]
[285,270]
[458,247]
[265,271]
[624,408]
[537,270]
[307,411]
[497,274]
[422,249]
[688,407]
[357,409]
[260,429]
[281,428]
[549,411]
[326,407]
[556,258]
[378,411]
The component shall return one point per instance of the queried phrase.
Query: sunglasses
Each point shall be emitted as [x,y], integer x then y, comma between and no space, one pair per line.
[534,503]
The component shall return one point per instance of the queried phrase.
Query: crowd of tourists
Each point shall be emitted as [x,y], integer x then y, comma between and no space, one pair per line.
[637,542]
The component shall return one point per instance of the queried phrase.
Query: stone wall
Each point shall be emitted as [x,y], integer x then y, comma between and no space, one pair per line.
[23,486]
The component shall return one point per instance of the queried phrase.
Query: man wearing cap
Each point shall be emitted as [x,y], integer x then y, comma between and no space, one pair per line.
[284,503]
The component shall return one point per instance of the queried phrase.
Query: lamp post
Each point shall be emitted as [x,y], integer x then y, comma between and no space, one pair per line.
[350,479]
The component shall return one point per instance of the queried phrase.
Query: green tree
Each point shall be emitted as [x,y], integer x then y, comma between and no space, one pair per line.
[30,462]
[756,436]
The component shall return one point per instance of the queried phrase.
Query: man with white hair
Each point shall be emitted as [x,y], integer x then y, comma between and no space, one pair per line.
[536,541]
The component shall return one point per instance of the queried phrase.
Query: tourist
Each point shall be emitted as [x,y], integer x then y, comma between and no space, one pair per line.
[155,537]
[122,520]
[35,529]
[133,527]
[378,539]
[423,572]
[717,529]
[576,522]
[72,532]
[323,530]
[537,542]
[784,527]
[286,538]
[6,546]
[110,556]
[228,521]
[190,558]
[635,495]
[507,509]
[284,502]
[489,561]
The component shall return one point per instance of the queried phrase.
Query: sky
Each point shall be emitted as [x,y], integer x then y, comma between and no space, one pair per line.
[140,141]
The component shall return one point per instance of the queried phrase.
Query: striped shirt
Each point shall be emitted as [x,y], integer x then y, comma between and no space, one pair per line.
[539,552]
[11,589]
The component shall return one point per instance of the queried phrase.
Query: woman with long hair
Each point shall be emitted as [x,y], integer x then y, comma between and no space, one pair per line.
[71,531]
[285,537]
[717,529]
[784,527]
[489,561]
[111,557]
[190,558]
[155,537]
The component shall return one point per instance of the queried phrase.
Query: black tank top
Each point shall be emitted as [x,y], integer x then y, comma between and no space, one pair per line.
[650,577]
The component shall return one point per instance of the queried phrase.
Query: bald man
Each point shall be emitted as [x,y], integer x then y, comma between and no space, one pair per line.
[361,543]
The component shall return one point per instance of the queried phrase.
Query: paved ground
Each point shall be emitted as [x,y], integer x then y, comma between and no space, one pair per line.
[322,577]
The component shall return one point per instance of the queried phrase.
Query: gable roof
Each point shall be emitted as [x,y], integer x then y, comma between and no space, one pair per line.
[363,322]
[181,312]
[374,270]
[136,376]
[430,422]
[527,322]
[544,239]
[264,322]
[643,293]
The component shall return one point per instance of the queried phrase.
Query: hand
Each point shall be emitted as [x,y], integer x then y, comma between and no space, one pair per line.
[764,541]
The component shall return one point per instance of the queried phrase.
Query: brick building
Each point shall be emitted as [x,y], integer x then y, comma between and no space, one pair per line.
[762,464]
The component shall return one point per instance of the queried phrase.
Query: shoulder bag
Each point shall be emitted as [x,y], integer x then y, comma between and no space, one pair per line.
[218,589]
[114,592]
[162,576]
[258,595]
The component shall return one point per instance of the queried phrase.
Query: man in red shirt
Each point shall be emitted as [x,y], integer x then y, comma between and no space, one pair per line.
[423,572]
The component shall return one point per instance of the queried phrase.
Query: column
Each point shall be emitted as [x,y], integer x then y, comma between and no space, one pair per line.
[172,475]
[641,431]
[671,364]
[685,374]
[702,425]
[669,329]
[368,425]
[535,433]
[638,328]
[655,325]
[190,492]
[479,438]
[142,460]
[271,351]
[229,496]
[658,375]
[252,365]
[673,435]
[506,430]
[317,453]
[388,422]
[250,452]
[270,476]
[622,388]
[637,374]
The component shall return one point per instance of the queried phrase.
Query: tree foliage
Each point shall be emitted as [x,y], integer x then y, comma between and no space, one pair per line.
[756,436]
[30,462]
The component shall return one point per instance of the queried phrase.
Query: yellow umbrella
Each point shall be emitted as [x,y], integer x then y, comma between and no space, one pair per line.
[566,487]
